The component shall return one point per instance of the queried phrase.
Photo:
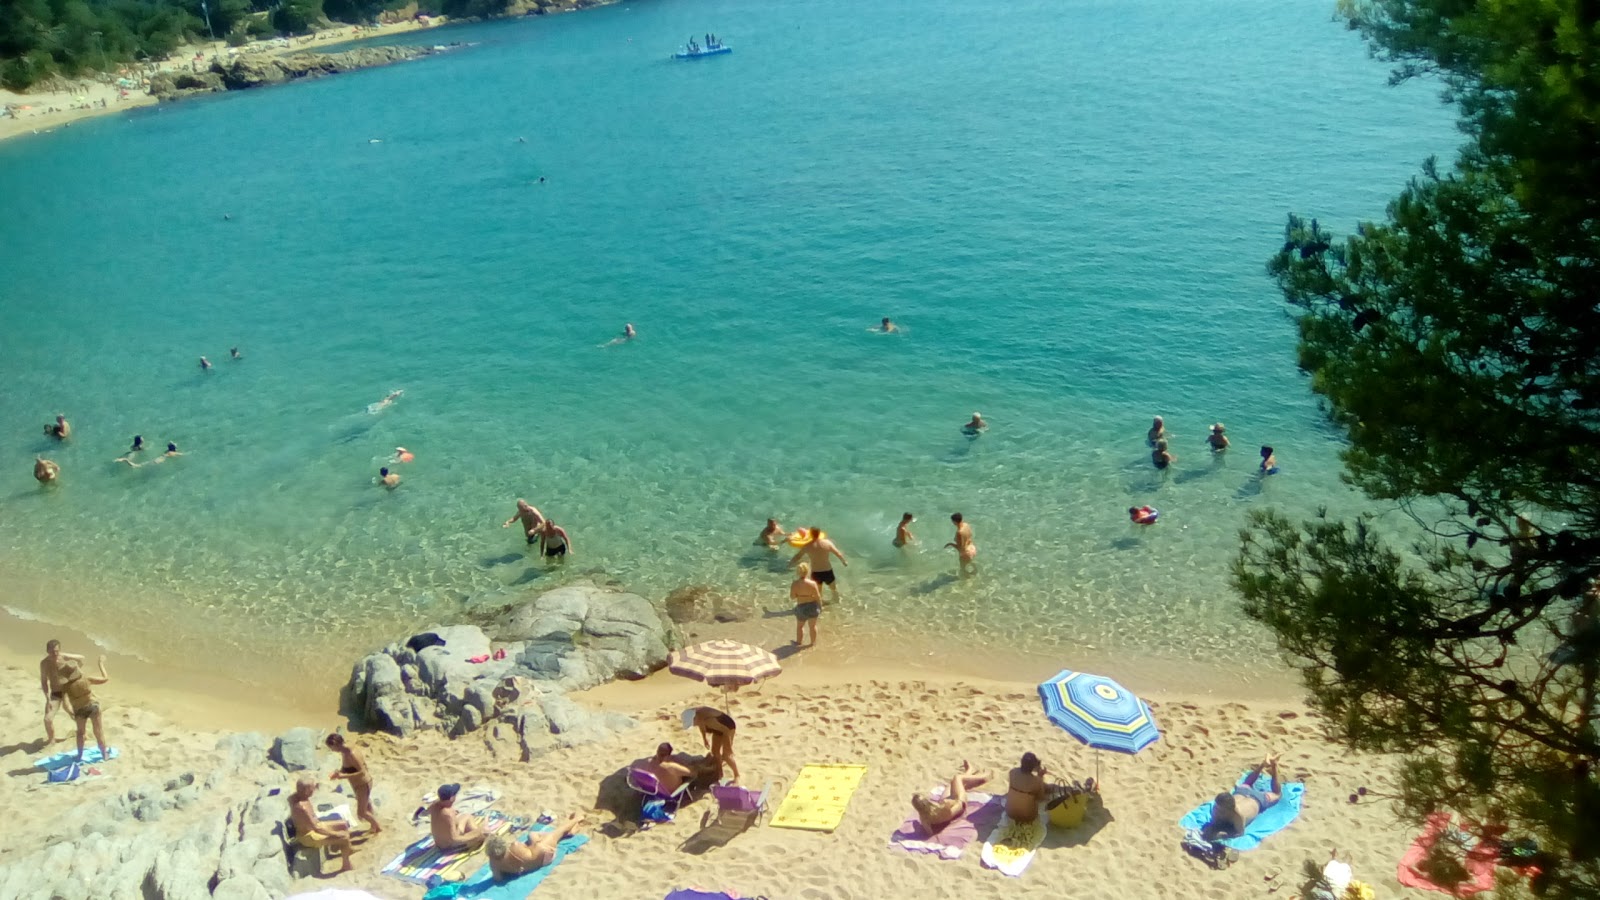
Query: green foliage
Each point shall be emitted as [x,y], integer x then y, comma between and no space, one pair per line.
[1455,343]
[40,39]
[297,16]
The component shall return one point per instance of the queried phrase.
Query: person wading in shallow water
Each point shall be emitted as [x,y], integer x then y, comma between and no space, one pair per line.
[807,597]
[817,552]
[966,550]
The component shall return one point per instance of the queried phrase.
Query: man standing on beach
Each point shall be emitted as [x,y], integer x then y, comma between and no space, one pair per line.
[816,552]
[50,683]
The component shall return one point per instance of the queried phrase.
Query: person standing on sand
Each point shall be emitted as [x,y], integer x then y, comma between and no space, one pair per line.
[45,470]
[816,552]
[532,520]
[903,537]
[76,685]
[807,597]
[1026,790]
[717,729]
[353,768]
[313,833]
[50,683]
[451,830]
[772,535]
[966,550]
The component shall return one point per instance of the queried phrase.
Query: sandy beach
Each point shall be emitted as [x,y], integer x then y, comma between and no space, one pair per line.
[42,111]
[910,733]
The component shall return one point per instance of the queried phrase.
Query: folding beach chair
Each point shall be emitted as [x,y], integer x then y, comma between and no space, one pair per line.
[741,802]
[646,784]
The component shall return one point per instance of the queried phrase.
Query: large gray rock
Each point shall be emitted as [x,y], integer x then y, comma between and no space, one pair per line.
[240,752]
[296,749]
[567,639]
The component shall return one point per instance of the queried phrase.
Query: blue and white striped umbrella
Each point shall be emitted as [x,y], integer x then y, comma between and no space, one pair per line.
[1098,711]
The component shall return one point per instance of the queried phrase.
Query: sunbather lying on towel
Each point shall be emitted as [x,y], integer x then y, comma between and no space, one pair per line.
[311,832]
[1235,809]
[509,857]
[451,830]
[935,814]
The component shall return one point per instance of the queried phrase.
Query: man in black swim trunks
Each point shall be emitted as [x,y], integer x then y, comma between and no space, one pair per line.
[816,552]
[553,540]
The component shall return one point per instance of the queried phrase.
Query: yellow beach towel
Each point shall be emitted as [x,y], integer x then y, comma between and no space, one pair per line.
[1011,846]
[819,797]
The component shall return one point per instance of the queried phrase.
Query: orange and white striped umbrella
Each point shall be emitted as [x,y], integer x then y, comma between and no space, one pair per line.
[723,663]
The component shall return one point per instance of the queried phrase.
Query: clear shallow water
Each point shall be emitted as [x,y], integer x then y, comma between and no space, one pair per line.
[1067,205]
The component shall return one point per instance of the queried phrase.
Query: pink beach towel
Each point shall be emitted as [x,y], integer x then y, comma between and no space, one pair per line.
[1479,862]
[983,811]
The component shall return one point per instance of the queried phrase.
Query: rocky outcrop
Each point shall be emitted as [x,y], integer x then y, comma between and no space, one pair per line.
[568,639]
[250,70]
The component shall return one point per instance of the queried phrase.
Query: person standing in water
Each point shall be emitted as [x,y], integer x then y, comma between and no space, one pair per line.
[1160,457]
[205,364]
[1269,461]
[553,541]
[388,479]
[1157,432]
[61,430]
[532,520]
[976,426]
[807,597]
[772,535]
[1217,440]
[45,470]
[903,537]
[966,550]
[233,353]
[138,445]
[817,552]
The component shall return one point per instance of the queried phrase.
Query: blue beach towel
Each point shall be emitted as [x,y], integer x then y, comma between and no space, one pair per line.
[1273,820]
[91,755]
[484,886]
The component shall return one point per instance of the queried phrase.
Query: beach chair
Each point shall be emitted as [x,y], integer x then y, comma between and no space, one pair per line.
[741,802]
[646,784]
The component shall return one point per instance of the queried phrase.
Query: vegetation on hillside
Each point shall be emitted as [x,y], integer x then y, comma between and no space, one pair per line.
[1455,343]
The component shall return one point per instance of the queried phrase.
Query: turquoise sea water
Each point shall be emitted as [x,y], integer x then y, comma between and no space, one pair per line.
[1066,204]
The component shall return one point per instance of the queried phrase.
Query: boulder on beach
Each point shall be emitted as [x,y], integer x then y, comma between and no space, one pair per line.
[513,669]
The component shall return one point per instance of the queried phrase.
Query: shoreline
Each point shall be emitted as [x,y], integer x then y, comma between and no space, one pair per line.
[92,91]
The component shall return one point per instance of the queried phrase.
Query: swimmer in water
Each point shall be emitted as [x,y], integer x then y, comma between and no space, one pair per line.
[1269,461]
[532,520]
[401,454]
[1160,456]
[966,550]
[233,353]
[772,535]
[1142,515]
[138,445]
[902,533]
[628,334]
[205,364]
[386,402]
[1158,431]
[388,479]
[975,427]
[60,430]
[172,451]
[45,470]
[888,326]
[1217,439]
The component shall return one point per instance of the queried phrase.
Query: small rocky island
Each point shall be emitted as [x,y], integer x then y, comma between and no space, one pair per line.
[259,70]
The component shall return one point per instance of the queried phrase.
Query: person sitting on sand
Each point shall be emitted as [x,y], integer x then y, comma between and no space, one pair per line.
[1217,439]
[510,857]
[61,430]
[532,520]
[935,814]
[1157,432]
[313,833]
[388,479]
[1232,810]
[76,686]
[45,470]
[975,426]
[50,682]
[717,729]
[807,597]
[966,550]
[902,533]
[451,830]
[1026,790]
[1269,461]
[772,535]
[553,541]
[1160,456]
[353,768]
[817,552]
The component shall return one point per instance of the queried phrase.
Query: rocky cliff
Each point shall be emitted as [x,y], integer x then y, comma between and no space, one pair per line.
[258,70]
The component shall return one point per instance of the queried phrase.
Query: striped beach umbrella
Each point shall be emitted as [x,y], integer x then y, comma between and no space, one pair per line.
[1098,711]
[724,663]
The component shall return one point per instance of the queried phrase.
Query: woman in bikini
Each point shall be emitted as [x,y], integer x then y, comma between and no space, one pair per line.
[936,814]
[76,685]
[717,730]
[353,768]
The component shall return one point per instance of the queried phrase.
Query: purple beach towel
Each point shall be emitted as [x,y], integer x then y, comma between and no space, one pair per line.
[983,811]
